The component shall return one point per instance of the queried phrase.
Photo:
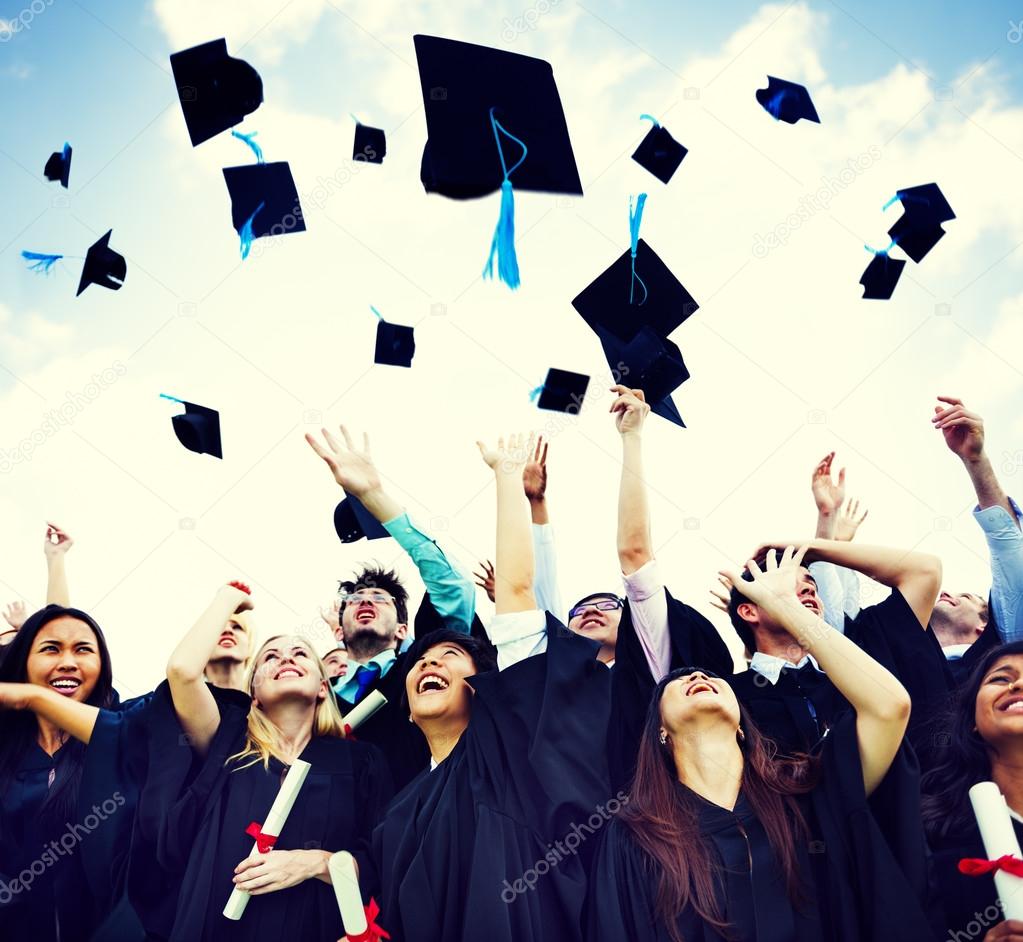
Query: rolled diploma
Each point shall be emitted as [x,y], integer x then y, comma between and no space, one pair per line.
[999,837]
[358,714]
[341,867]
[273,825]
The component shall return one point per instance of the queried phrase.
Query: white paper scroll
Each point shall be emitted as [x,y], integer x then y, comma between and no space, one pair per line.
[346,888]
[999,837]
[272,825]
[363,710]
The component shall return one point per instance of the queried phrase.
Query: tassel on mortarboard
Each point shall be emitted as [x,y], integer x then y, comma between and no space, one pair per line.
[635,218]
[503,243]
[245,235]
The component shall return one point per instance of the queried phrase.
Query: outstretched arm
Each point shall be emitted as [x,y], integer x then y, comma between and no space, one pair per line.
[56,546]
[880,701]
[635,546]
[77,719]
[534,484]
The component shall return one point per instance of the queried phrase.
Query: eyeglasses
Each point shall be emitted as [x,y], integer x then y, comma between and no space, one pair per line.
[377,598]
[604,605]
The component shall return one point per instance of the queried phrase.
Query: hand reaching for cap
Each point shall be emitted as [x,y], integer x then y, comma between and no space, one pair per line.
[963,430]
[534,475]
[630,408]
[352,469]
[509,456]
[827,494]
[849,520]
[14,614]
[58,542]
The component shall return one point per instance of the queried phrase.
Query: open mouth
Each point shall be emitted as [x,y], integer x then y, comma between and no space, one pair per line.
[431,683]
[700,686]
[812,605]
[365,615]
[591,621]
[1013,704]
[227,641]
[288,671]
[66,685]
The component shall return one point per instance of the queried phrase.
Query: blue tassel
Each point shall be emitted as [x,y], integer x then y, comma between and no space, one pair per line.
[891,245]
[248,139]
[774,105]
[894,199]
[375,311]
[67,151]
[650,117]
[172,398]
[535,394]
[246,233]
[635,218]
[40,262]
[503,243]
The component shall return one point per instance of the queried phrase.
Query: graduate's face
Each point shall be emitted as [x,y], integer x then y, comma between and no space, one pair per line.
[233,644]
[998,712]
[369,617]
[336,663]
[959,618]
[65,657]
[806,593]
[592,622]
[286,669]
[436,686]
[696,699]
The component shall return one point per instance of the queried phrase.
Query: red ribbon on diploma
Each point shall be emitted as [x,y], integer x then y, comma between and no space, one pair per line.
[264,842]
[975,867]
[373,932]
[349,734]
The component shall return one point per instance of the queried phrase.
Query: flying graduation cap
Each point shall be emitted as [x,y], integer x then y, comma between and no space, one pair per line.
[353,521]
[58,167]
[197,428]
[659,152]
[396,343]
[649,362]
[562,391]
[494,121]
[216,91]
[787,101]
[264,200]
[370,143]
[881,276]
[919,228]
[102,265]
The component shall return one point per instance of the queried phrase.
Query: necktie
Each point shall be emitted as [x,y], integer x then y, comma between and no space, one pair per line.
[364,677]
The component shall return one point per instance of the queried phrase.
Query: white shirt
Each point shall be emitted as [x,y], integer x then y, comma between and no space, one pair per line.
[770,667]
[953,652]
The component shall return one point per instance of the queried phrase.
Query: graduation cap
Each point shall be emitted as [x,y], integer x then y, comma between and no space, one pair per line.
[58,167]
[396,345]
[353,521]
[370,144]
[216,91]
[787,101]
[659,152]
[881,276]
[103,266]
[264,201]
[919,228]
[651,363]
[562,391]
[197,428]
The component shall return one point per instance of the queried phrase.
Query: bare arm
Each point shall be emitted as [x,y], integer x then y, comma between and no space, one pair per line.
[828,496]
[77,719]
[56,546]
[193,703]
[635,545]
[355,471]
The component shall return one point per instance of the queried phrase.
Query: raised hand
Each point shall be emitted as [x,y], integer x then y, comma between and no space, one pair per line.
[511,456]
[57,541]
[849,520]
[485,579]
[827,494]
[352,469]
[14,614]
[534,475]
[630,408]
[239,594]
[773,586]
[963,430]
[720,596]
[332,616]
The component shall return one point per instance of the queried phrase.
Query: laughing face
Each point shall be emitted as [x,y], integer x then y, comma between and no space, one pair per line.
[600,624]
[697,699]
[959,618]
[287,669]
[999,707]
[436,686]
[65,657]
[369,622]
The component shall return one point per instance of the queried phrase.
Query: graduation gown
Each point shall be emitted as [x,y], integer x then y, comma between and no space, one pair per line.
[191,821]
[490,845]
[854,883]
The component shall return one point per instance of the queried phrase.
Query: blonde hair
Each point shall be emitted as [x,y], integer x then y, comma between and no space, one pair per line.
[261,736]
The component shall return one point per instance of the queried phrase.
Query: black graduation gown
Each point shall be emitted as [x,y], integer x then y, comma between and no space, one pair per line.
[490,846]
[694,640]
[961,668]
[389,729]
[191,820]
[854,884]
[966,899]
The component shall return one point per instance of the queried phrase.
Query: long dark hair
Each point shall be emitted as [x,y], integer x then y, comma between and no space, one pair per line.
[662,816]
[965,758]
[19,728]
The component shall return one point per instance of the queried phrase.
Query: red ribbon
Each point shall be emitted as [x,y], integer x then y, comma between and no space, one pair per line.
[264,842]
[349,734]
[373,932]
[975,867]
[241,586]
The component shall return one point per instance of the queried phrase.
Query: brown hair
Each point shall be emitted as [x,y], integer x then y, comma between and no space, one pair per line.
[662,817]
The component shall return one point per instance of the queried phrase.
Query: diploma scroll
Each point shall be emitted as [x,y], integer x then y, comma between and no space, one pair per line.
[999,837]
[366,707]
[349,898]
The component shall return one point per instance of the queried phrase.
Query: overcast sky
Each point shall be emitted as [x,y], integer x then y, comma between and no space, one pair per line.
[787,361]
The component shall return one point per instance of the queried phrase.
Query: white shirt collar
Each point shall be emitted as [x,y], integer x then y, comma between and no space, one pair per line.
[953,652]
[770,667]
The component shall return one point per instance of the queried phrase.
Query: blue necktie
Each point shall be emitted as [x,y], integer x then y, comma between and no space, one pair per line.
[364,677]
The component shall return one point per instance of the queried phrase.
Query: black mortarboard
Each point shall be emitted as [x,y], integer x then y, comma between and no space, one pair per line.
[605,303]
[919,228]
[274,187]
[353,521]
[216,91]
[103,266]
[461,83]
[198,429]
[370,144]
[563,391]
[651,363]
[396,344]
[787,101]
[58,167]
[881,276]
[659,153]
